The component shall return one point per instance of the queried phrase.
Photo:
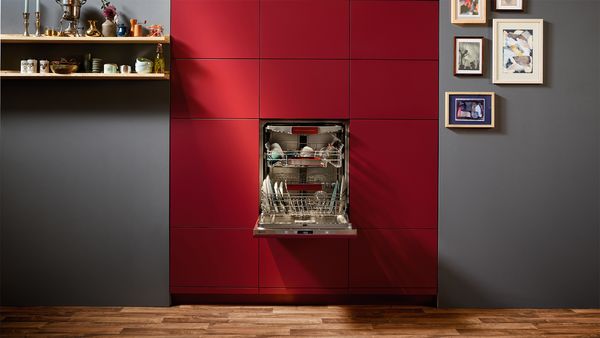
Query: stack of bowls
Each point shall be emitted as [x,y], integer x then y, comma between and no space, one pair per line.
[97,66]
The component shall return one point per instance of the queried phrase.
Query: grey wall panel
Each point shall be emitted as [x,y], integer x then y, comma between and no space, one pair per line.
[519,215]
[84,177]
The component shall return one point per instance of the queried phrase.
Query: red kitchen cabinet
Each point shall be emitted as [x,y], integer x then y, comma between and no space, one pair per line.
[303,263]
[394,259]
[393,173]
[304,89]
[215,28]
[394,29]
[304,29]
[214,173]
[394,89]
[213,258]
[215,89]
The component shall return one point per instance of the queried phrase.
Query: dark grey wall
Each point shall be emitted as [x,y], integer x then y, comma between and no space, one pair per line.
[519,205]
[84,176]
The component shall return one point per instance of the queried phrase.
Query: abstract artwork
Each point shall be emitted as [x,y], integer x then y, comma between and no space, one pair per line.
[468,56]
[518,51]
[468,11]
[470,110]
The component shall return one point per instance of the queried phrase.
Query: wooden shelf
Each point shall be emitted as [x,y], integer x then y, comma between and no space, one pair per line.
[20,39]
[82,76]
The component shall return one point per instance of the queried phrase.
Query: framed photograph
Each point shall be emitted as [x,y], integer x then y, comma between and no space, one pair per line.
[468,11]
[509,5]
[518,51]
[470,110]
[468,55]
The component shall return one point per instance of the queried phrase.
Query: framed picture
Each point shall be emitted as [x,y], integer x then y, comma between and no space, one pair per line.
[468,55]
[468,11]
[509,5]
[518,51]
[470,110]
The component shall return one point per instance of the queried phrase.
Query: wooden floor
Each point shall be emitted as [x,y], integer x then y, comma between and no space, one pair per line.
[262,321]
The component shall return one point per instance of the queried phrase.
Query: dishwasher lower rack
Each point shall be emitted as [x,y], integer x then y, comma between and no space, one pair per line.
[303,213]
[293,226]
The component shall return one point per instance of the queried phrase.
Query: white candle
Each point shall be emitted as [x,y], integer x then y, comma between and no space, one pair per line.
[26,10]
[37,5]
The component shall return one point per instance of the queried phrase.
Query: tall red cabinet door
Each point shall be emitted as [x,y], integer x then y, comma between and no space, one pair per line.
[303,263]
[394,259]
[393,173]
[213,258]
[394,89]
[383,29]
[304,29]
[304,89]
[214,88]
[215,28]
[214,173]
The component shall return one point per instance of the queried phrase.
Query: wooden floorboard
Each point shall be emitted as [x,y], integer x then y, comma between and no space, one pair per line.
[295,321]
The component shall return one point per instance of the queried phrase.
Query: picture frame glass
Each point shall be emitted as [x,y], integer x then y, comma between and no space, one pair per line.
[470,110]
[518,51]
[469,56]
[509,5]
[469,9]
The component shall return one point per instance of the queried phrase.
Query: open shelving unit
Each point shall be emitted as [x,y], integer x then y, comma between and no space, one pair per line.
[21,39]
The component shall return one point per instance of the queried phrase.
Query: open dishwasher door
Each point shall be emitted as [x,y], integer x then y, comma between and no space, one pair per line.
[304,180]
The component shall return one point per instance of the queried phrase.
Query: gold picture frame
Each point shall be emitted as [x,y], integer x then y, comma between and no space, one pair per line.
[462,12]
[461,110]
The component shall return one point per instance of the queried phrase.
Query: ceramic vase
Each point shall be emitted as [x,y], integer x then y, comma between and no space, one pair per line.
[109,28]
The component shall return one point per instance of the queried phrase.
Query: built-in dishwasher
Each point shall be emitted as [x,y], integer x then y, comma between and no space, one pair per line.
[304,179]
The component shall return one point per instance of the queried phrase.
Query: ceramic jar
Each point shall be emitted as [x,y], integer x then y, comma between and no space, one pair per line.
[109,28]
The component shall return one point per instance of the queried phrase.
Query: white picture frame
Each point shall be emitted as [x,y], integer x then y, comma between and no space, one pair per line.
[518,51]
[503,5]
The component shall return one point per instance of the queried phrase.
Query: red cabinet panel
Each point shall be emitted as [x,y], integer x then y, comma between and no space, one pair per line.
[215,88]
[303,263]
[304,89]
[393,173]
[394,259]
[394,29]
[214,173]
[304,29]
[394,89]
[225,258]
[215,28]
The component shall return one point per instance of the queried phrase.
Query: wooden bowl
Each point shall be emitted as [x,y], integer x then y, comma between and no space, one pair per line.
[63,68]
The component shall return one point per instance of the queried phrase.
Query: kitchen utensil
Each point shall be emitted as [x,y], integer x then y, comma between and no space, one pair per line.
[60,68]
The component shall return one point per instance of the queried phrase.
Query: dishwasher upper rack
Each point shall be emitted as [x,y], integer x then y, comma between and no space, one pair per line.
[321,156]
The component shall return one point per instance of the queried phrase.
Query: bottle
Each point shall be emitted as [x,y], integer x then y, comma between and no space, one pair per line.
[159,61]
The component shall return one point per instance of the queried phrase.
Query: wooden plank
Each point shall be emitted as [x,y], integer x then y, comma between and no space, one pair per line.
[20,39]
[6,74]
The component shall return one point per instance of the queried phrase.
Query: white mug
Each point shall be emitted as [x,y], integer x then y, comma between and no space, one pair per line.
[125,69]
[24,66]
[44,66]
[32,66]
[110,68]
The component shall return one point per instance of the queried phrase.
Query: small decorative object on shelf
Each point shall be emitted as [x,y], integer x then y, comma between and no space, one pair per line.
[109,28]
[159,61]
[132,23]
[156,30]
[38,24]
[71,13]
[122,30]
[44,66]
[93,30]
[143,66]
[26,23]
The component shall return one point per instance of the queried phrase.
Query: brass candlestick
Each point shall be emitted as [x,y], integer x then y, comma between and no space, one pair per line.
[26,23]
[38,32]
